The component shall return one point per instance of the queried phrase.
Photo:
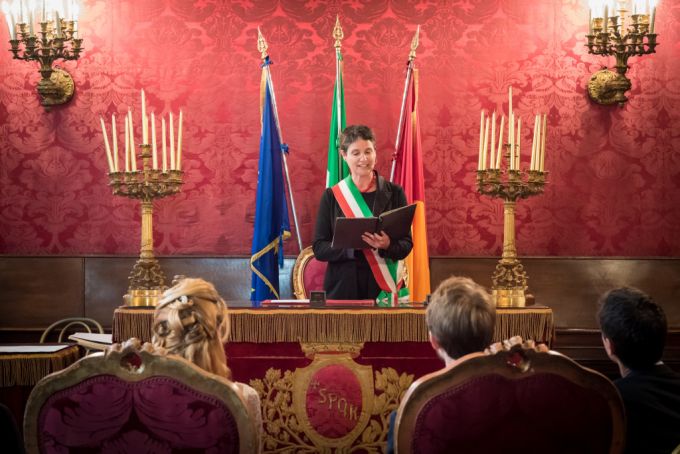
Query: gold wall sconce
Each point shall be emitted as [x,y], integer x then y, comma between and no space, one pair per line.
[45,31]
[612,32]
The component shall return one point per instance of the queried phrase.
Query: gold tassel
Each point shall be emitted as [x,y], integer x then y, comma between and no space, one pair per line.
[28,369]
[340,325]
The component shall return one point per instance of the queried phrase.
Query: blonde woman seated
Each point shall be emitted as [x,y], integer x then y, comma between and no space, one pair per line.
[191,321]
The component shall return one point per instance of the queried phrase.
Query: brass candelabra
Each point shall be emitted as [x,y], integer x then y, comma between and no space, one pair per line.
[55,40]
[623,38]
[510,278]
[147,280]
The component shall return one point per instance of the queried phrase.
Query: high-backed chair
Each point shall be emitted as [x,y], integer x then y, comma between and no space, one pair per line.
[516,401]
[308,274]
[136,400]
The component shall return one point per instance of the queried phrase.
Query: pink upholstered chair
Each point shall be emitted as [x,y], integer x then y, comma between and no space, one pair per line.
[137,400]
[308,274]
[512,402]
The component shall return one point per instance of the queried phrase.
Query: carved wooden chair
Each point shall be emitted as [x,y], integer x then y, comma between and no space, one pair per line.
[517,401]
[134,399]
[308,274]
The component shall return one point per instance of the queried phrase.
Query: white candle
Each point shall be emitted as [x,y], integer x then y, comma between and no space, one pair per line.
[30,23]
[9,17]
[492,157]
[605,28]
[500,144]
[486,142]
[145,126]
[519,137]
[107,148]
[172,144]
[481,141]
[58,22]
[543,137]
[127,145]
[154,149]
[133,154]
[179,142]
[651,21]
[165,154]
[532,165]
[115,142]
[511,134]
[590,21]
[510,102]
[44,15]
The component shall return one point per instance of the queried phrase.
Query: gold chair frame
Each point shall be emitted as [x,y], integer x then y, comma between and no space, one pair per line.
[154,363]
[476,365]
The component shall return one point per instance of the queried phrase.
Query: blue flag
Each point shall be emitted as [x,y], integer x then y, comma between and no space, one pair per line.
[271,210]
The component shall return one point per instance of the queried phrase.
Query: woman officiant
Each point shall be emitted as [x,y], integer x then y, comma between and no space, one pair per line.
[374,272]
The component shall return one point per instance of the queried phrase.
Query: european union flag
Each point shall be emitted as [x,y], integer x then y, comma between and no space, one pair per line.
[271,210]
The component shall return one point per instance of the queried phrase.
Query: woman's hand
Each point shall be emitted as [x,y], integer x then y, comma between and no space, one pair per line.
[377,240]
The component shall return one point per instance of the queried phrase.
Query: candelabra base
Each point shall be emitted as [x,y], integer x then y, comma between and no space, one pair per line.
[608,87]
[56,90]
[142,297]
[509,297]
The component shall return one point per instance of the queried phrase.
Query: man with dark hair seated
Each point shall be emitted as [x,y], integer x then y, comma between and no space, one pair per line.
[634,330]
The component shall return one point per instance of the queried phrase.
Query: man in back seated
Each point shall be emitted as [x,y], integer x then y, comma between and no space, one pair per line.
[634,330]
[460,320]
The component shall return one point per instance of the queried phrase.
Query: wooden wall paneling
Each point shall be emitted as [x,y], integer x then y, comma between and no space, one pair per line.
[37,291]
[572,286]
[106,279]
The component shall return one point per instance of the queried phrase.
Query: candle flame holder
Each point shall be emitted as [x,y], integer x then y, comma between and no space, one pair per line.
[509,278]
[147,280]
[56,85]
[614,36]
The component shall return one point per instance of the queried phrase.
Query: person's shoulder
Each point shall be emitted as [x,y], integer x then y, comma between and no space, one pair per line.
[392,187]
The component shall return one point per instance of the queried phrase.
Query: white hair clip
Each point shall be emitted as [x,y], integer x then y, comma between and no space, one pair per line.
[183,299]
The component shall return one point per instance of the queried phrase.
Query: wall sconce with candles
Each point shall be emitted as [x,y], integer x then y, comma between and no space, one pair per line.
[45,32]
[622,37]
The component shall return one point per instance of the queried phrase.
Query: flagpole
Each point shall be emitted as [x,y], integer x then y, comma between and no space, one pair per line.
[262,48]
[409,72]
[338,35]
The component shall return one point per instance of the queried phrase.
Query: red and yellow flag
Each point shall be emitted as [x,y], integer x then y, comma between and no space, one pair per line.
[409,175]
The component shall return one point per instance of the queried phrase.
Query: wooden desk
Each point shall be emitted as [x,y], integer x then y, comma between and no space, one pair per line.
[340,325]
[275,351]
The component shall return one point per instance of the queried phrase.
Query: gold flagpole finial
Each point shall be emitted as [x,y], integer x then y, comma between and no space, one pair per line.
[337,33]
[262,44]
[414,45]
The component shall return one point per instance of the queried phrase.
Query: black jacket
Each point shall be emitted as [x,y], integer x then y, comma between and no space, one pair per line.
[348,275]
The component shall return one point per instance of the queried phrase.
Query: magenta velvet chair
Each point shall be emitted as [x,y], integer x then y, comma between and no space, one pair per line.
[520,401]
[308,274]
[136,400]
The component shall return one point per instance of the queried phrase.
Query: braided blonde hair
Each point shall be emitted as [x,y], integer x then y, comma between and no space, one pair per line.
[191,321]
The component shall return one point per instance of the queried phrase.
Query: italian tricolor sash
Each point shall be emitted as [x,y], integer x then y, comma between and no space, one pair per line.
[388,273]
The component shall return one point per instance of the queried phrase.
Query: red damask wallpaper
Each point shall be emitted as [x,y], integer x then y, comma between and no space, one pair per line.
[615,172]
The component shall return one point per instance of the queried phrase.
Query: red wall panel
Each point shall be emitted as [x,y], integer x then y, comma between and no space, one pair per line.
[614,172]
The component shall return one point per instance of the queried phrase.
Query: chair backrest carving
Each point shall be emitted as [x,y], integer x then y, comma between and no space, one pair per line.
[308,274]
[514,401]
[135,399]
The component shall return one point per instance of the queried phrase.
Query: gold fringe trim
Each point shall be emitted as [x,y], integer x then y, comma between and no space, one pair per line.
[340,325]
[129,323]
[535,324]
[27,369]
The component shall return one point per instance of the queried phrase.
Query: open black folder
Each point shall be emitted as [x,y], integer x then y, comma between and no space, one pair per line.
[396,223]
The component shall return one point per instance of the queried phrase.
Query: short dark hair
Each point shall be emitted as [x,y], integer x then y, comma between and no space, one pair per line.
[635,325]
[353,133]
[461,316]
